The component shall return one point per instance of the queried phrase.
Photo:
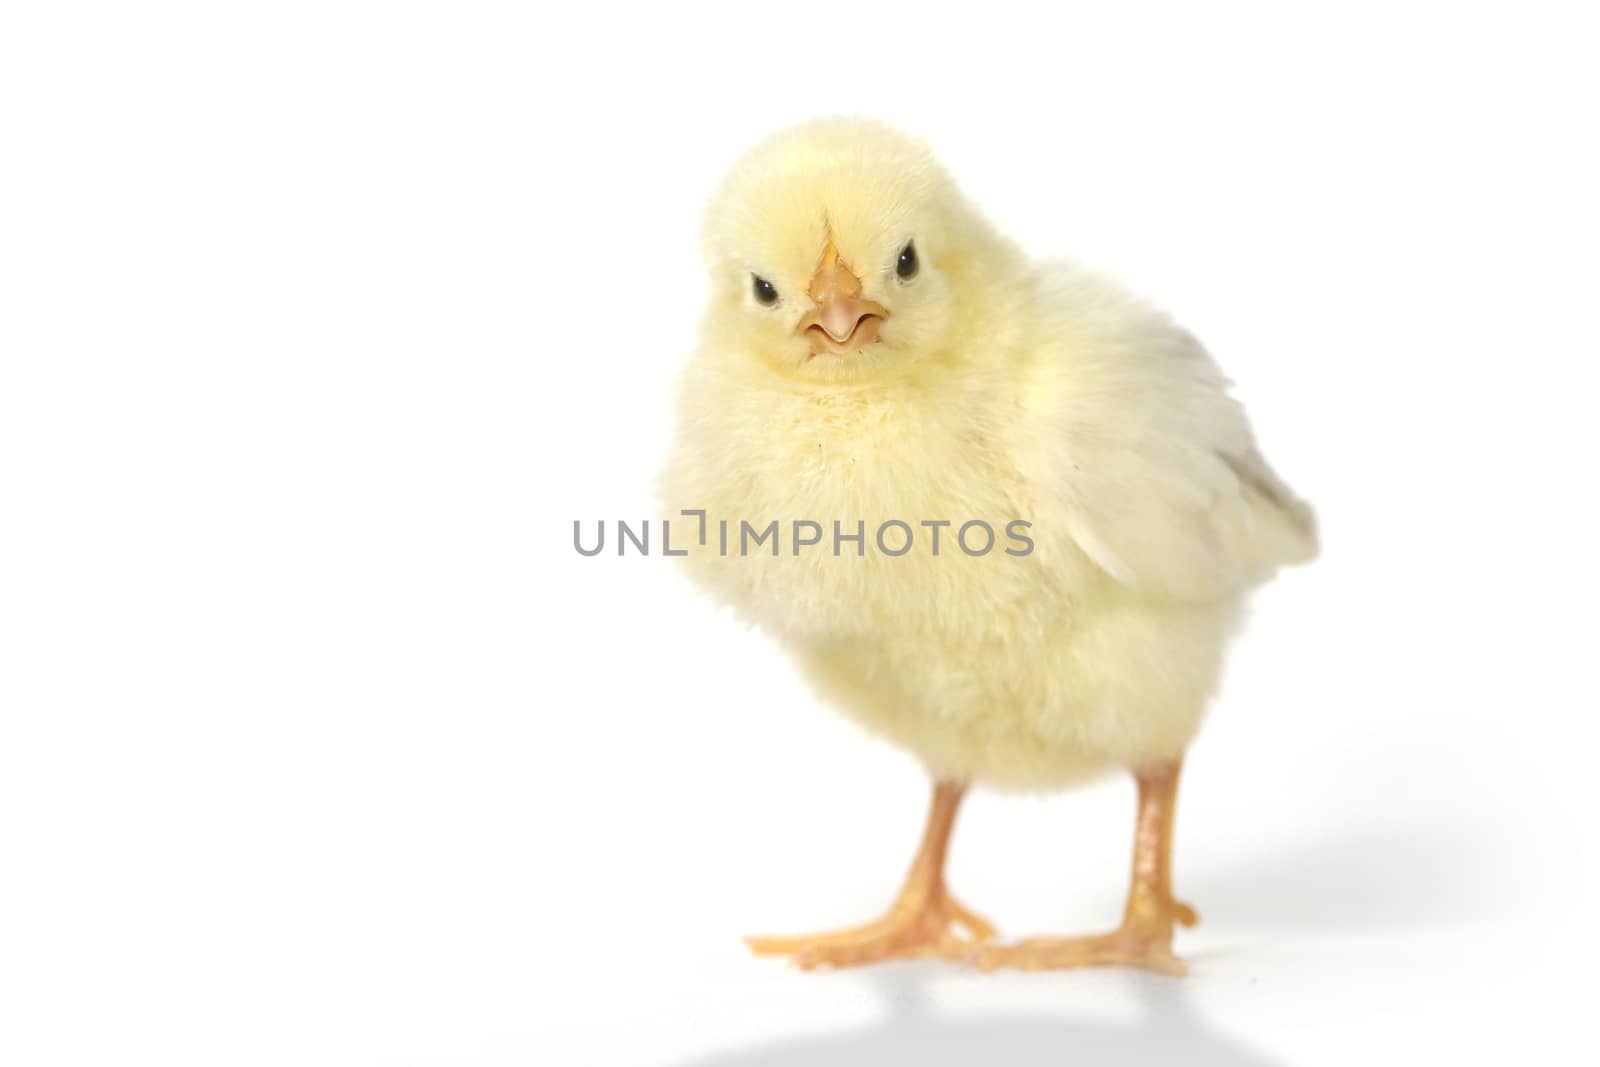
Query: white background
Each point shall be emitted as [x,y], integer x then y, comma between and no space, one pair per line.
[320,323]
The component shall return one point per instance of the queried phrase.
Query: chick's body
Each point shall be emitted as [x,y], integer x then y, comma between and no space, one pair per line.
[990,388]
[1052,397]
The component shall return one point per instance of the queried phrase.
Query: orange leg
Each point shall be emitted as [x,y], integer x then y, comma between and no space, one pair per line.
[919,925]
[1145,937]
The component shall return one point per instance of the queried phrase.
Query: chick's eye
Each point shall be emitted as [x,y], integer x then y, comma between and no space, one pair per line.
[906,268]
[765,292]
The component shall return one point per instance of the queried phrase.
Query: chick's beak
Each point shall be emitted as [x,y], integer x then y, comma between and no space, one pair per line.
[842,320]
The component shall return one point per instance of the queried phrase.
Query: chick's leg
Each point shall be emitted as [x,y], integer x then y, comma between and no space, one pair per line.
[921,923]
[1145,937]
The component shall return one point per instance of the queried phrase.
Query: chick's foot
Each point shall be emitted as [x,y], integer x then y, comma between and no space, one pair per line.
[1124,945]
[1143,940]
[919,926]
[1145,937]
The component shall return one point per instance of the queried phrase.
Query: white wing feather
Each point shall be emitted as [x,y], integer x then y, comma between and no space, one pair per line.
[1165,488]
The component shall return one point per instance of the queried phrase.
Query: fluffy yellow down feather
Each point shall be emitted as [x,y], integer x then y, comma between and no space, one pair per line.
[1001,388]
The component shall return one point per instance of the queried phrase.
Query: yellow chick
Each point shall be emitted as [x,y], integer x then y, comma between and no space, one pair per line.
[1000,511]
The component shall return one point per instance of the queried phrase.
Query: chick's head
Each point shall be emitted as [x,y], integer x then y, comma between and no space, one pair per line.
[840,248]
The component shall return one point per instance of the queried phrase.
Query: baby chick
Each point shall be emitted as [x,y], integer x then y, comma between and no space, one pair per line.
[886,377]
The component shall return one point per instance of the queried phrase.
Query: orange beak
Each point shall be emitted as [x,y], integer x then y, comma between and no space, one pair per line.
[842,321]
